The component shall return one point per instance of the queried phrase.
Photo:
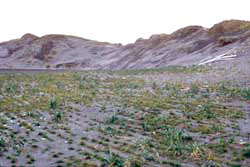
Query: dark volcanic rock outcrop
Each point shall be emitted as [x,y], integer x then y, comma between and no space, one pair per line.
[193,45]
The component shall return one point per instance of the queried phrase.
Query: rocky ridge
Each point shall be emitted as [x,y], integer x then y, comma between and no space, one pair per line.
[193,45]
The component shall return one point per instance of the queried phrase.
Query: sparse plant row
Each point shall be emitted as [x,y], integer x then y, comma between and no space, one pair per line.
[155,124]
[183,122]
[170,69]
[61,92]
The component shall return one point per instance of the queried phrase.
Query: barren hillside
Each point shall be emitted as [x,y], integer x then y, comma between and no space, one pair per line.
[193,45]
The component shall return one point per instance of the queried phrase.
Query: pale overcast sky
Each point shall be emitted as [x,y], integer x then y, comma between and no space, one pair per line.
[117,21]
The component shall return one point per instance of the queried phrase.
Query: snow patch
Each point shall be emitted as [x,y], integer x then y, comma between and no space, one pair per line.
[223,57]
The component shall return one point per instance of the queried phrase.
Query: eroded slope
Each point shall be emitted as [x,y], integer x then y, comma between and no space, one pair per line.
[192,45]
